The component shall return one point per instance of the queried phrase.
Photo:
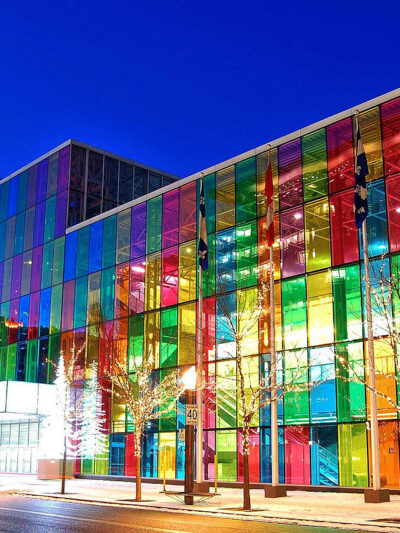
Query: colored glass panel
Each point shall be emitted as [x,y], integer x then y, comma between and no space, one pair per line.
[370,127]
[187,271]
[123,236]
[121,290]
[294,311]
[393,212]
[95,246]
[153,281]
[186,334]
[137,286]
[170,218]
[320,311]
[323,390]
[347,303]
[315,173]
[226,453]
[169,337]
[246,255]
[169,286]
[187,212]
[107,294]
[138,231]
[292,242]
[353,458]
[225,198]
[296,399]
[344,234]
[82,252]
[317,233]
[153,225]
[351,405]
[324,455]
[339,139]
[225,260]
[262,166]
[297,455]
[226,394]
[290,174]
[246,189]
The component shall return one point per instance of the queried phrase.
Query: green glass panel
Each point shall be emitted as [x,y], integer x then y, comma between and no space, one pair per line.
[135,347]
[315,175]
[246,189]
[226,394]
[226,454]
[107,294]
[109,241]
[81,287]
[209,274]
[294,312]
[3,363]
[58,260]
[353,455]
[123,236]
[31,360]
[101,461]
[47,265]
[153,225]
[55,309]
[11,362]
[296,403]
[82,253]
[19,233]
[347,303]
[87,466]
[4,314]
[246,255]
[169,337]
[54,352]
[350,392]
[168,421]
[22,189]
[317,233]
[50,219]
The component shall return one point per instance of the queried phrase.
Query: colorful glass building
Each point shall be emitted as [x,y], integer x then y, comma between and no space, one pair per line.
[91,257]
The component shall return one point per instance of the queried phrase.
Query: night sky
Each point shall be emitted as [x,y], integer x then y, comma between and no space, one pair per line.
[182,85]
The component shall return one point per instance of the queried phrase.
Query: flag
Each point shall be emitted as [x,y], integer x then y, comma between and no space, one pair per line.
[360,207]
[269,195]
[203,246]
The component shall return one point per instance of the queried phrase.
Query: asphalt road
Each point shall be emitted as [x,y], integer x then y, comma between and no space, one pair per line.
[33,515]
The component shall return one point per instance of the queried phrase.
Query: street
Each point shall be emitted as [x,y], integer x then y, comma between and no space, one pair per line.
[35,515]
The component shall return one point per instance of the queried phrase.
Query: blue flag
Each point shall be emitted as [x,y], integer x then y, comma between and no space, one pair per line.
[360,186]
[203,246]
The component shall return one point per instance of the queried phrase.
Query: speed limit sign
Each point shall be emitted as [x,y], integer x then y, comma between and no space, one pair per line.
[192,415]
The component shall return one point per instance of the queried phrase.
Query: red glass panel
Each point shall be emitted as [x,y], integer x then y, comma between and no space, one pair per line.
[290,174]
[170,229]
[292,242]
[121,290]
[390,114]
[79,343]
[187,212]
[136,294]
[297,455]
[34,305]
[14,315]
[344,234]
[169,282]
[339,140]
[254,456]
[130,458]
[67,319]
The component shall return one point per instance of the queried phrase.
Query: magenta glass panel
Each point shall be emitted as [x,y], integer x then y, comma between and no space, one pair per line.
[41,186]
[34,305]
[138,231]
[32,181]
[297,455]
[290,174]
[136,292]
[36,274]
[390,114]
[16,276]
[63,169]
[343,230]
[170,229]
[169,280]
[292,242]
[187,212]
[393,201]
[339,140]
[68,306]
[209,395]
[39,224]
[14,315]
[254,456]
[61,214]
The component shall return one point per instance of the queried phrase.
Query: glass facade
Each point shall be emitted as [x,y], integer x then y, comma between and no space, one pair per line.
[127,283]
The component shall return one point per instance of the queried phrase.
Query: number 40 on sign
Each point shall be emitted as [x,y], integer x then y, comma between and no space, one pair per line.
[192,415]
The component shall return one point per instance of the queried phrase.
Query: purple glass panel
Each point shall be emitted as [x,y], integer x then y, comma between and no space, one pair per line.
[136,293]
[1,277]
[16,276]
[39,224]
[170,221]
[290,174]
[32,180]
[138,231]
[292,242]
[67,316]
[61,214]
[41,187]
[36,274]
[339,139]
[63,169]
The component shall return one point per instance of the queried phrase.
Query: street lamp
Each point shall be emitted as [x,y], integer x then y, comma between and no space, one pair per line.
[189,381]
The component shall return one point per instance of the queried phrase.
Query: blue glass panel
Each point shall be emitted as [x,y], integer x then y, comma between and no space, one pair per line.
[3,227]
[180,459]
[82,253]
[43,360]
[265,459]
[265,412]
[96,244]
[22,189]
[377,232]
[12,197]
[324,455]
[44,322]
[149,454]
[21,361]
[23,317]
[225,260]
[323,390]
[117,454]
[4,200]
[70,256]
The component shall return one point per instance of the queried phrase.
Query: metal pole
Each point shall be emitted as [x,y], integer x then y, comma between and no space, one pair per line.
[274,403]
[376,478]
[189,434]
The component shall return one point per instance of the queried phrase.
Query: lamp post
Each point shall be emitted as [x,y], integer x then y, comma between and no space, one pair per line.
[189,381]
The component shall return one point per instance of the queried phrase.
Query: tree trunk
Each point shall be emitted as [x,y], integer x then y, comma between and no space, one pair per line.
[64,467]
[246,483]
[138,480]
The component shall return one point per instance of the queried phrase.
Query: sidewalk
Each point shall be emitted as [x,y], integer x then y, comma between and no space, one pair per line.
[342,511]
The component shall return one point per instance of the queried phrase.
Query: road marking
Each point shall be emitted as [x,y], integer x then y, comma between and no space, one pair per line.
[121,524]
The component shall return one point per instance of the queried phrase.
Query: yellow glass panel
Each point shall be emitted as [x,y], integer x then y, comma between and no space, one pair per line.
[262,164]
[187,271]
[187,334]
[320,308]
[370,127]
[317,231]
[167,455]
[152,336]
[225,198]
[153,281]
[385,380]
[117,412]
[251,374]
[247,320]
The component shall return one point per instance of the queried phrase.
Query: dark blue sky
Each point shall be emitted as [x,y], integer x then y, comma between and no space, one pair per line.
[182,85]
